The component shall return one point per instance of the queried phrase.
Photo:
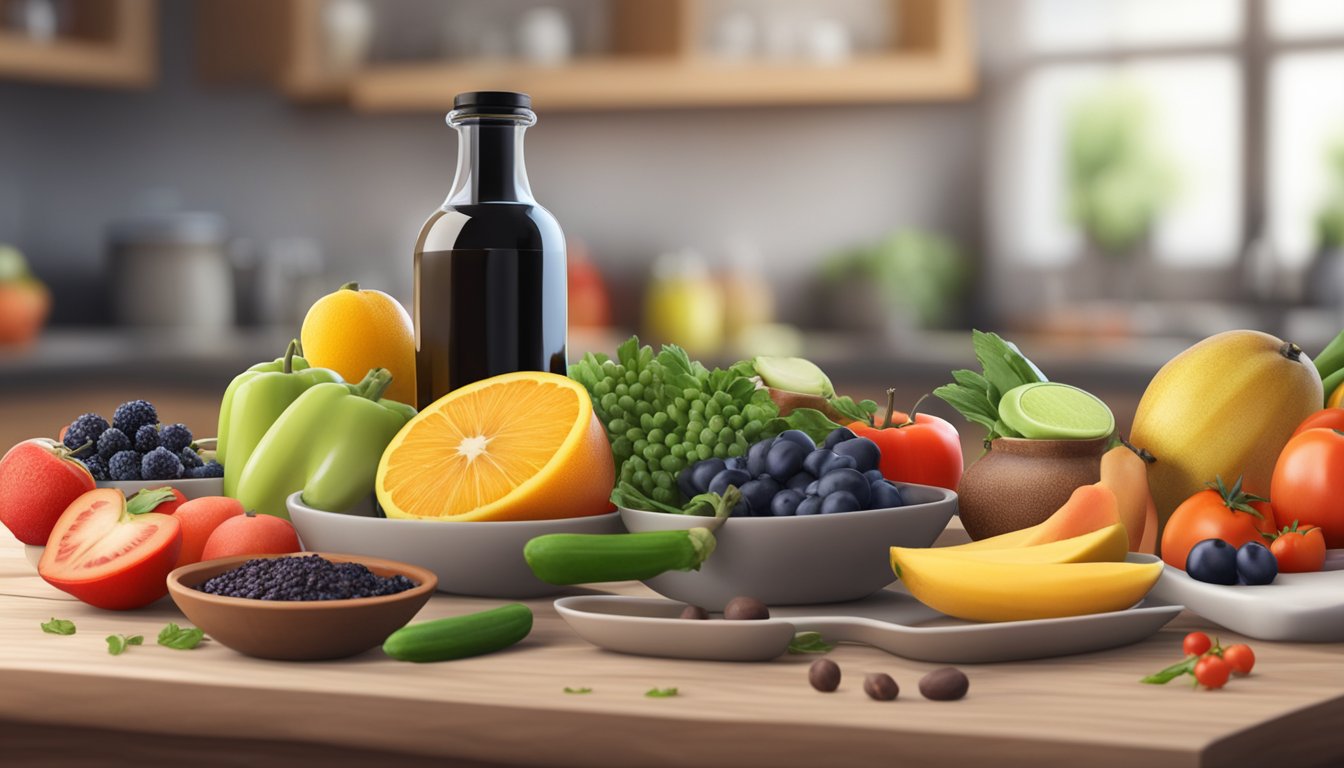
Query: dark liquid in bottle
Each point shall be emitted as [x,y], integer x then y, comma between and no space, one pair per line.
[489,297]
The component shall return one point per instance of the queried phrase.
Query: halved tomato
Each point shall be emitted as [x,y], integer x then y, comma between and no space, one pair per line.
[104,553]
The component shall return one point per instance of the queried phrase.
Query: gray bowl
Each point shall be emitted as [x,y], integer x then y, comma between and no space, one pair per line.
[800,560]
[477,559]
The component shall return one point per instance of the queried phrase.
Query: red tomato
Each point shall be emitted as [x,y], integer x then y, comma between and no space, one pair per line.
[1196,644]
[38,481]
[1308,483]
[1299,550]
[1212,672]
[1240,658]
[924,450]
[1330,418]
[1218,513]
[251,534]
[105,555]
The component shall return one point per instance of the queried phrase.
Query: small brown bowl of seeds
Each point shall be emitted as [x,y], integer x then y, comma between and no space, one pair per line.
[305,606]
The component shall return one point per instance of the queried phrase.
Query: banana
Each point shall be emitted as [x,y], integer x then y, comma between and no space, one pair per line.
[981,590]
[1107,544]
[1331,358]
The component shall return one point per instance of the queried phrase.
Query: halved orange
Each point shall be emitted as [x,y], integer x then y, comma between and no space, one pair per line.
[521,446]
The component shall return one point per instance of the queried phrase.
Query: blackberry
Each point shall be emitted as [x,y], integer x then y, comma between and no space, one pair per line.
[160,464]
[146,438]
[97,467]
[133,415]
[125,465]
[190,459]
[209,469]
[112,442]
[303,577]
[85,429]
[175,437]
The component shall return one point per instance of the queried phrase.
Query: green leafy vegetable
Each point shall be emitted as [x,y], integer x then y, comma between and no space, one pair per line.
[146,500]
[117,644]
[578,690]
[58,627]
[181,638]
[809,642]
[661,693]
[976,395]
[1186,667]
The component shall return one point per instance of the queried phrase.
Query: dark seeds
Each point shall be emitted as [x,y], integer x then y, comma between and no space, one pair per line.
[693,612]
[880,686]
[308,577]
[824,675]
[946,684]
[745,608]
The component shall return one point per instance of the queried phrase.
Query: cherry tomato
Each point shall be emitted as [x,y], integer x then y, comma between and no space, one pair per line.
[1299,550]
[1240,658]
[924,449]
[1308,483]
[1212,672]
[1196,644]
[1330,418]
[1218,513]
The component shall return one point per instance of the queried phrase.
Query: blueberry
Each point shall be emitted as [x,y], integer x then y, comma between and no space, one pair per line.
[845,481]
[874,476]
[146,438]
[840,501]
[704,471]
[756,457]
[85,429]
[798,436]
[125,465]
[131,416]
[1213,561]
[810,505]
[800,481]
[721,481]
[838,436]
[865,453]
[785,503]
[784,459]
[97,467]
[160,464]
[813,488]
[1256,564]
[209,469]
[175,437]
[758,493]
[815,461]
[735,462]
[190,459]
[112,442]
[684,482]
[836,461]
[884,495]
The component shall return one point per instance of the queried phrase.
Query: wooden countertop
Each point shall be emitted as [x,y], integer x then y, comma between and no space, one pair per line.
[65,699]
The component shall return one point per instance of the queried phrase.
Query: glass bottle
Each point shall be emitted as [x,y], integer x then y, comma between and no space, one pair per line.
[489,263]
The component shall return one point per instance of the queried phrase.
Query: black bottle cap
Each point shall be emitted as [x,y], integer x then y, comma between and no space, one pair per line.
[496,102]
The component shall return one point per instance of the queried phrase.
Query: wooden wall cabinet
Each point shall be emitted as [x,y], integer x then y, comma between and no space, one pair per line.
[654,63]
[104,43]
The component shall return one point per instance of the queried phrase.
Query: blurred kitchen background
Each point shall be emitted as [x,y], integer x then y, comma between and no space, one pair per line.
[856,181]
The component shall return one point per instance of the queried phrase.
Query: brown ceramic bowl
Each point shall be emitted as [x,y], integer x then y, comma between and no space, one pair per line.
[300,630]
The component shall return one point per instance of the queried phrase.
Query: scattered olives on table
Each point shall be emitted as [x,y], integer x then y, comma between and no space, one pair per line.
[946,684]
[880,686]
[824,675]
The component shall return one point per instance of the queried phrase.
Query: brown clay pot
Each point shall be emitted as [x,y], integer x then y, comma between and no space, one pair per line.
[1020,483]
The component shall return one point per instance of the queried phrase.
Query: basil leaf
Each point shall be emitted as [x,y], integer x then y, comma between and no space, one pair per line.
[578,690]
[179,638]
[861,411]
[809,642]
[58,626]
[1186,667]
[117,644]
[661,693]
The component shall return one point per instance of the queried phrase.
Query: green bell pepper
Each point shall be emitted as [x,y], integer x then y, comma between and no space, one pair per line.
[327,444]
[252,403]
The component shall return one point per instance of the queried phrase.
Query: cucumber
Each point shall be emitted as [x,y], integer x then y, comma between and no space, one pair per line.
[1331,358]
[580,558]
[460,637]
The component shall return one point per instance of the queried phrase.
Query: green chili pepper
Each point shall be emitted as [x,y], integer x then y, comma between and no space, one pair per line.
[326,444]
[252,403]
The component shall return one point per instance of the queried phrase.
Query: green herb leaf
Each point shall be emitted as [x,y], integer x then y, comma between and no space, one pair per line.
[147,500]
[661,693]
[181,638]
[861,411]
[809,642]
[813,422]
[578,690]
[1186,667]
[58,627]
[117,644]
[1004,367]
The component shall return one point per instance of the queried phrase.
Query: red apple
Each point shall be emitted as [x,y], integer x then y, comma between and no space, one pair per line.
[38,481]
[199,518]
[251,534]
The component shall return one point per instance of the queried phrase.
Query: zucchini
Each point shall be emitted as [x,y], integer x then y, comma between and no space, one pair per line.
[582,558]
[460,637]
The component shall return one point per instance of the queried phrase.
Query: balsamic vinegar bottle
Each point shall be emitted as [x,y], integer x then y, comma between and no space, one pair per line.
[490,263]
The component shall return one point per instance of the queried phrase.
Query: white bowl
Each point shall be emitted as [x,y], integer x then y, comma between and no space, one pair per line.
[477,559]
[800,560]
